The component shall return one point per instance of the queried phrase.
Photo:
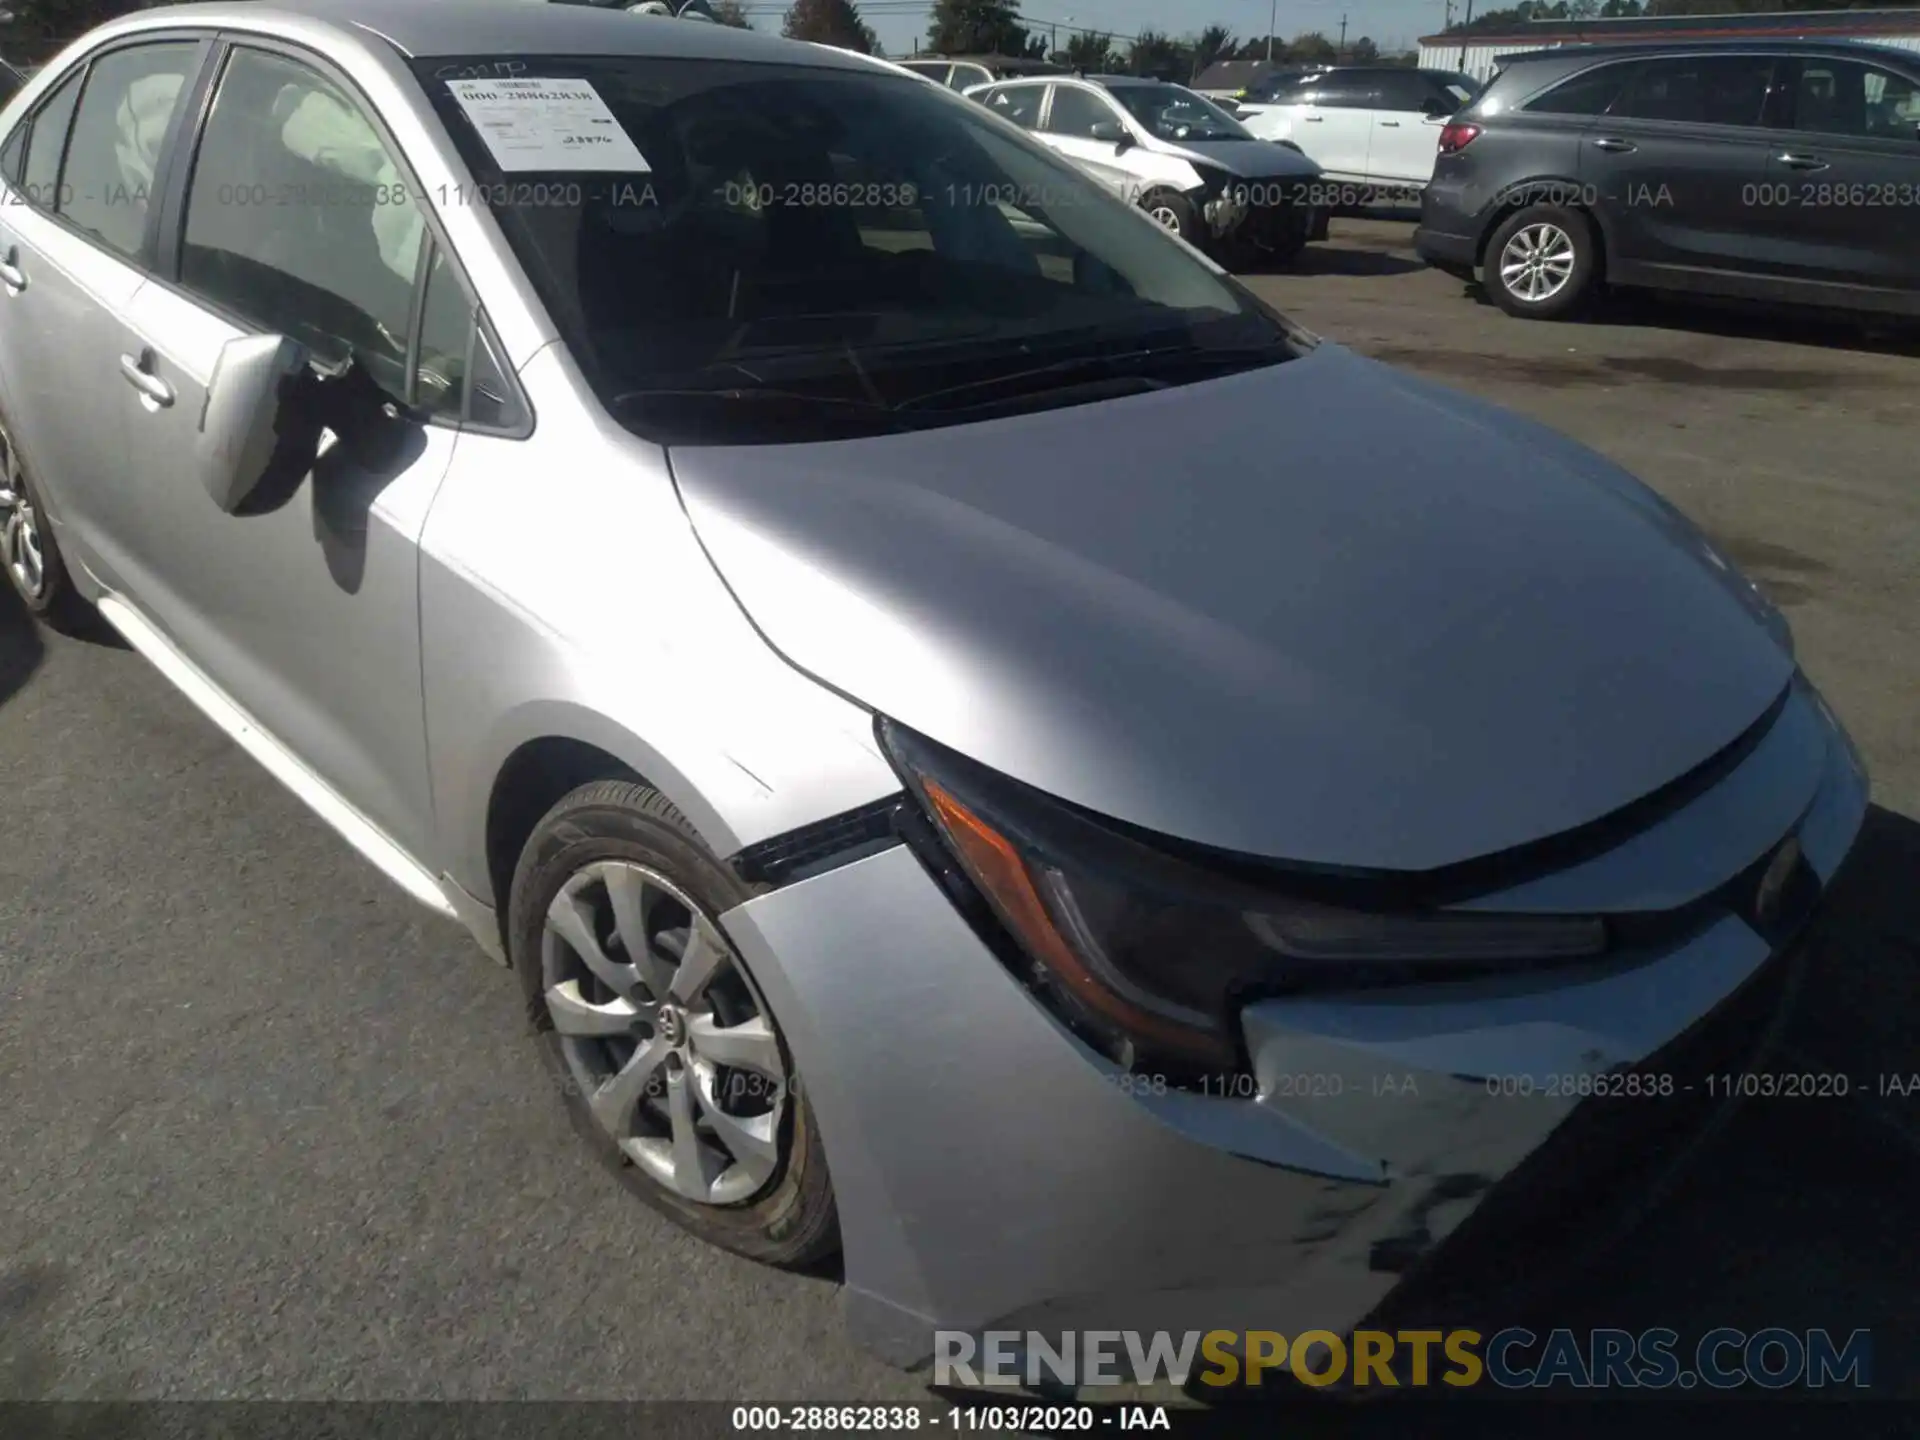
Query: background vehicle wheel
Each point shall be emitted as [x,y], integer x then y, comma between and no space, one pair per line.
[1540,263]
[670,1059]
[1173,211]
[27,549]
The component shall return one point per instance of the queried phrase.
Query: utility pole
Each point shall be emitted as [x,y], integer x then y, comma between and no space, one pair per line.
[1463,36]
[1449,25]
[1343,37]
[1273,19]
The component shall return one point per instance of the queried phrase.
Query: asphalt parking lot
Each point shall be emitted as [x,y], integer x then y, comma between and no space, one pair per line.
[273,1131]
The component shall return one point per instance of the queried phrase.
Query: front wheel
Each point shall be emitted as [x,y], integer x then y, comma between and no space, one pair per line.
[664,1046]
[1541,263]
[1172,211]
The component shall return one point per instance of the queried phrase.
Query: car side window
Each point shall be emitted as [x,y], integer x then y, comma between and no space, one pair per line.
[1590,93]
[113,154]
[965,77]
[1018,103]
[492,400]
[1338,93]
[47,142]
[935,70]
[1075,112]
[300,221]
[446,338]
[1409,90]
[13,155]
[1849,97]
[1699,90]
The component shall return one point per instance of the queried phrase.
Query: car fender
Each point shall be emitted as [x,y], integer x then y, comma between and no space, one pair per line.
[618,634]
[1537,190]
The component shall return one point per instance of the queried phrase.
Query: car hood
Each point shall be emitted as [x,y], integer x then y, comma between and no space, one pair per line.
[1322,611]
[1248,159]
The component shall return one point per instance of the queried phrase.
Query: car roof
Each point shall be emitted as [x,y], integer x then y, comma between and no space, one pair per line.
[502,27]
[1768,44]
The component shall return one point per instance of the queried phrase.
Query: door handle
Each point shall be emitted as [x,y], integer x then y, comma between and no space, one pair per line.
[1615,146]
[1391,124]
[1313,119]
[1802,162]
[144,380]
[11,275]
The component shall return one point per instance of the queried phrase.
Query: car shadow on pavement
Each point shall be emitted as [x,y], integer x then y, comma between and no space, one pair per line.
[1746,320]
[1331,257]
[21,648]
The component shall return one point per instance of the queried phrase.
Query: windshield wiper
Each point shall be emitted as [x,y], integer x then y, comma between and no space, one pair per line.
[1136,366]
[763,403]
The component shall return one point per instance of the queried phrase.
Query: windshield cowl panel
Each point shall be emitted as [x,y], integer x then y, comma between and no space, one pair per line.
[750,253]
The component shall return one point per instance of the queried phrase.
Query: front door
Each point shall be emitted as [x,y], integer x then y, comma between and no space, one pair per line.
[1674,163]
[1333,123]
[304,607]
[1407,120]
[72,241]
[1082,126]
[1842,192]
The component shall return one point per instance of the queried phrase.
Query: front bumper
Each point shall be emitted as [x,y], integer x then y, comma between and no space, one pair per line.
[993,1173]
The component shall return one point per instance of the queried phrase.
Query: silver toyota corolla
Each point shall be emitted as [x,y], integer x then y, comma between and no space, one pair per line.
[985,746]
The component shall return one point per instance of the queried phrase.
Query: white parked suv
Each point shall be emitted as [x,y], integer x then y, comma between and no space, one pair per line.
[1377,127]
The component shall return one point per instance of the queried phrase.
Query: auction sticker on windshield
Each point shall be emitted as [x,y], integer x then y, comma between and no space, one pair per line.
[547,125]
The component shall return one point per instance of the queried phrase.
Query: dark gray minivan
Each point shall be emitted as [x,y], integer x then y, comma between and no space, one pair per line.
[1781,170]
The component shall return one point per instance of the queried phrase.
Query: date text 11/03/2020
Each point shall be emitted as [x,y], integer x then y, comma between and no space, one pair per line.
[1390,1085]
[1013,1417]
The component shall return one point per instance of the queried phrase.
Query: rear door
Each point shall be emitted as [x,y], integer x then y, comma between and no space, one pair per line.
[1073,116]
[1409,113]
[1674,163]
[1333,122]
[1842,194]
[75,237]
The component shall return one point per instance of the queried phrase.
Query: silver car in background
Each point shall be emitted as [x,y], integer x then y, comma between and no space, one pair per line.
[1185,161]
[986,748]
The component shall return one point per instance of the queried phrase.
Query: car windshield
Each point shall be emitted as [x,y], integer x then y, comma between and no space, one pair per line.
[752,253]
[1171,112]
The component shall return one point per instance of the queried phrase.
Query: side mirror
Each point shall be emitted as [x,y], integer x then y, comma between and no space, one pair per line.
[240,427]
[1113,133]
[1434,108]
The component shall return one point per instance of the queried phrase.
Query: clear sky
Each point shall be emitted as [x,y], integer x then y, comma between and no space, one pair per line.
[1392,24]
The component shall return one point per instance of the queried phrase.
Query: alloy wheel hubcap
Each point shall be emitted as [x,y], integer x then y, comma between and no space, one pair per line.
[20,535]
[1168,217]
[664,1032]
[1537,262]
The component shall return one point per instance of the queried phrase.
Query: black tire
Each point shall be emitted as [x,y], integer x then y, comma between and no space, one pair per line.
[791,1220]
[53,599]
[1174,212]
[1580,281]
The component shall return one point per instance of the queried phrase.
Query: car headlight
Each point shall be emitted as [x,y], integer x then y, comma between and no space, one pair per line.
[1150,953]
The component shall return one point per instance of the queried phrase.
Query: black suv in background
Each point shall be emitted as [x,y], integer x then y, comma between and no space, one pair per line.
[1781,170]
[10,82]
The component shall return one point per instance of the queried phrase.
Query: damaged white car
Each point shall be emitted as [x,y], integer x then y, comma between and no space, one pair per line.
[1177,155]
